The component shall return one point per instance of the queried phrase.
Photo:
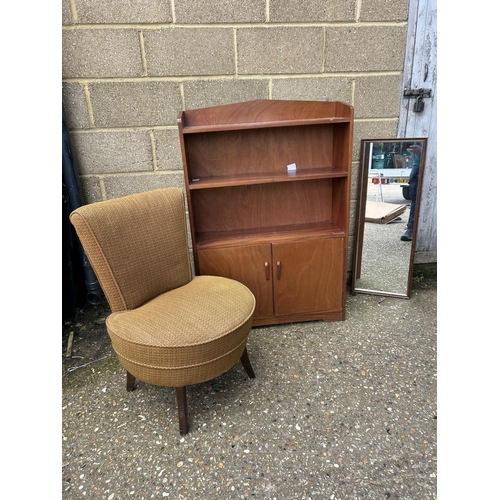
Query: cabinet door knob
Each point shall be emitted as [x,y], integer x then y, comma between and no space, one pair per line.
[266,265]
[278,268]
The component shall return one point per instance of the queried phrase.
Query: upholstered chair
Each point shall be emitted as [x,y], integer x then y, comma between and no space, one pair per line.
[167,327]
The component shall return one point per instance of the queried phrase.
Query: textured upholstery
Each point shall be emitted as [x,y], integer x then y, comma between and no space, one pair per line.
[189,335]
[137,245]
[167,327]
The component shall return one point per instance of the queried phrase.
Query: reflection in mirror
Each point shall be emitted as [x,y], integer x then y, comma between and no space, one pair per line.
[386,224]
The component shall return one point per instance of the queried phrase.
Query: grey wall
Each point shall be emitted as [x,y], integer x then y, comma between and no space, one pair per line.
[129,67]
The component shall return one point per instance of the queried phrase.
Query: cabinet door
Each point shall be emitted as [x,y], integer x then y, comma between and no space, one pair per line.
[308,276]
[250,265]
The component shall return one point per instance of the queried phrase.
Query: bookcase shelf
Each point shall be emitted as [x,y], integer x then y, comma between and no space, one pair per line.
[266,178]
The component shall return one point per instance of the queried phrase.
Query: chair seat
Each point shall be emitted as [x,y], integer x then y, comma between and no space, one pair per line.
[186,336]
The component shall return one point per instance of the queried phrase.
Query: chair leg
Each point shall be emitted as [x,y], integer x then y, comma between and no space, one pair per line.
[130,382]
[245,361]
[182,409]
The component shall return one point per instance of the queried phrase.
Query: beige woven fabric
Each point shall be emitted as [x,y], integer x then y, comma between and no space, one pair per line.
[137,245]
[189,335]
[167,327]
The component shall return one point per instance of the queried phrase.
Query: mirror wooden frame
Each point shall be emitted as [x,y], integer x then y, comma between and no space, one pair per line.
[364,172]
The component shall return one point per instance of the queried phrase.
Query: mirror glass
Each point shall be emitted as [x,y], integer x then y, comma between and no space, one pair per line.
[386,222]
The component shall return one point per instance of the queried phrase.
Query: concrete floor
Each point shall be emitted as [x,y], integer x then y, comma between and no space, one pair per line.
[342,410]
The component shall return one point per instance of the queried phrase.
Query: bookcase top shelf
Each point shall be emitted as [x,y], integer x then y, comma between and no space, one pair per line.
[263,114]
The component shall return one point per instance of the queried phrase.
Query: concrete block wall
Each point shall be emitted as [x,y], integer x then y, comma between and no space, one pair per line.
[129,67]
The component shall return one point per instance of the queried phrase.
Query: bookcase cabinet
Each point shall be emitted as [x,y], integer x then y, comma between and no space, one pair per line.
[268,190]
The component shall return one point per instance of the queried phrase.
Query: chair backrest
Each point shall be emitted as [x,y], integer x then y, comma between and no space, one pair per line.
[137,245]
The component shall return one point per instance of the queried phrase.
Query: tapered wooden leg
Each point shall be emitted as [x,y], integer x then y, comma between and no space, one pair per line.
[130,382]
[245,361]
[182,409]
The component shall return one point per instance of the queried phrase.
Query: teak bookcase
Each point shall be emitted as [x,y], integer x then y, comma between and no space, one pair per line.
[281,231]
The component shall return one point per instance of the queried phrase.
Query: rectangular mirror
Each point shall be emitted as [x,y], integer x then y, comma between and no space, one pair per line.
[390,177]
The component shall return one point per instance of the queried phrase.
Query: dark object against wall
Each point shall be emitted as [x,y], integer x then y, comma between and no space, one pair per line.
[79,280]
